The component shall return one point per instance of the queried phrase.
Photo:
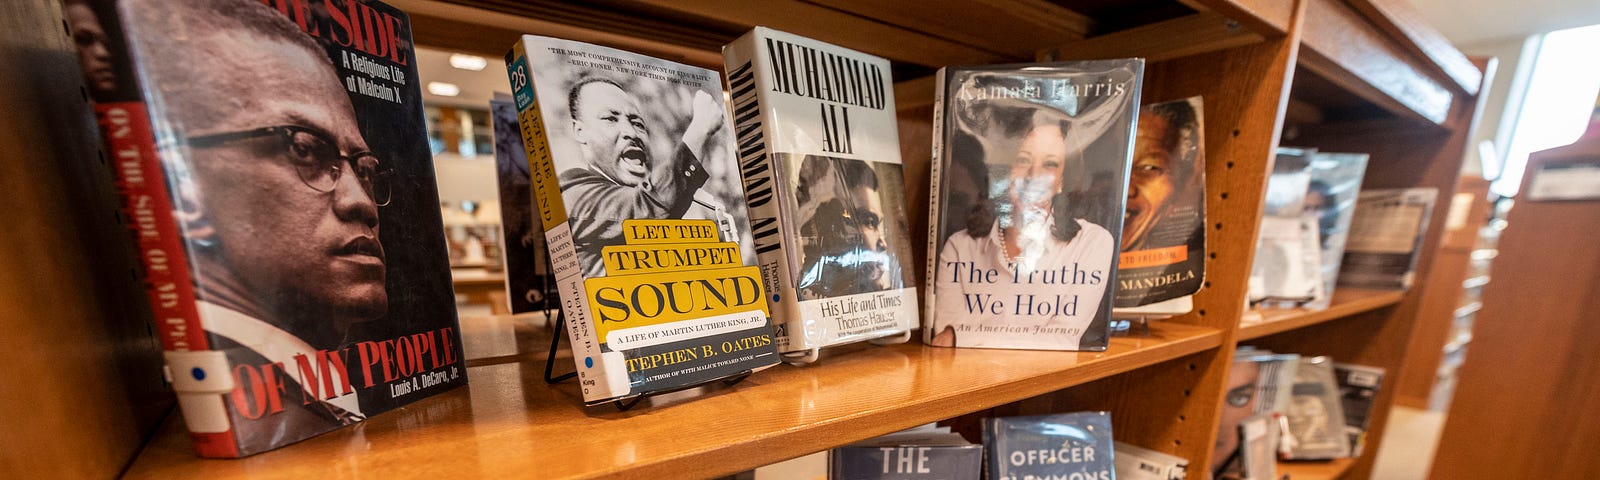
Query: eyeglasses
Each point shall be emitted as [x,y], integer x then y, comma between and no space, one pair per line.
[316,158]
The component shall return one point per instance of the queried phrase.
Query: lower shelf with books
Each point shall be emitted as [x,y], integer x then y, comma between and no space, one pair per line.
[1346,302]
[508,423]
[1329,470]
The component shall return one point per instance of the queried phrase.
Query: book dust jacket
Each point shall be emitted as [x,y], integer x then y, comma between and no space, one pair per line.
[1064,445]
[636,177]
[1030,177]
[1164,225]
[273,162]
[820,151]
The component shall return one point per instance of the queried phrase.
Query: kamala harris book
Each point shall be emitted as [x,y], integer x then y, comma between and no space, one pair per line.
[1030,176]
[633,168]
[1063,445]
[276,179]
[820,151]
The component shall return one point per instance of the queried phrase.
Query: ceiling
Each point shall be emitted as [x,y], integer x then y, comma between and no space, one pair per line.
[1474,22]
[476,87]
[1465,22]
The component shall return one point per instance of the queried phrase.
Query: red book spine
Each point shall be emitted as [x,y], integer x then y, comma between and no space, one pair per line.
[147,204]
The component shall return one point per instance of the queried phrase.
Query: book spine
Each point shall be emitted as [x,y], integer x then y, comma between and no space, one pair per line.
[756,164]
[147,206]
[590,361]
[930,322]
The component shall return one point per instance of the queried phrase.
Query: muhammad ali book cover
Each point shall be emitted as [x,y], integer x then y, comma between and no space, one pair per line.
[820,151]
[633,168]
[1062,445]
[1164,221]
[1030,175]
[276,178]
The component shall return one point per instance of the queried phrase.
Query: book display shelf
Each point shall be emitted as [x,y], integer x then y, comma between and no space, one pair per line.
[1339,75]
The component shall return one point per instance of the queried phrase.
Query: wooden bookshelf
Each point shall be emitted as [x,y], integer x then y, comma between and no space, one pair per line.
[508,423]
[1346,302]
[1328,470]
[1340,75]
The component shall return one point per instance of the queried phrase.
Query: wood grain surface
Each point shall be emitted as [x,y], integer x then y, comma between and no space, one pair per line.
[508,423]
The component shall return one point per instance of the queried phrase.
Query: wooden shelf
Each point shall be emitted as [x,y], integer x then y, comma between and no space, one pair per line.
[507,422]
[1329,470]
[1346,302]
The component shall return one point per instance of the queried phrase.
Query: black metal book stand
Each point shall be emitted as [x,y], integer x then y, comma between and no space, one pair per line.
[559,328]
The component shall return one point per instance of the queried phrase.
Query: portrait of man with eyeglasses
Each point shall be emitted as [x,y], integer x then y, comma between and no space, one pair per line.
[287,187]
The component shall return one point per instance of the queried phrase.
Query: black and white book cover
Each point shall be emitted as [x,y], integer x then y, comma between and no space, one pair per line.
[1358,392]
[276,162]
[1315,415]
[1331,199]
[634,170]
[1164,222]
[528,279]
[1063,445]
[820,152]
[917,454]
[1030,175]
[1385,235]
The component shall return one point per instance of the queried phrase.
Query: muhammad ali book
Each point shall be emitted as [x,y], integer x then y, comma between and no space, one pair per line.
[1164,222]
[633,168]
[1063,445]
[276,178]
[1030,175]
[820,152]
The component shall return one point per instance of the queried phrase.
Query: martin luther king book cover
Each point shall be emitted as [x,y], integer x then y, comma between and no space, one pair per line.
[634,170]
[273,165]
[1030,176]
[820,151]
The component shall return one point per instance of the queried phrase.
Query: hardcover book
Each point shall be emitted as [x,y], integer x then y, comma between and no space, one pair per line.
[633,167]
[529,285]
[1030,174]
[1331,199]
[1288,255]
[1163,233]
[1138,463]
[918,454]
[820,153]
[1315,417]
[274,167]
[1384,238]
[1358,391]
[1069,445]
